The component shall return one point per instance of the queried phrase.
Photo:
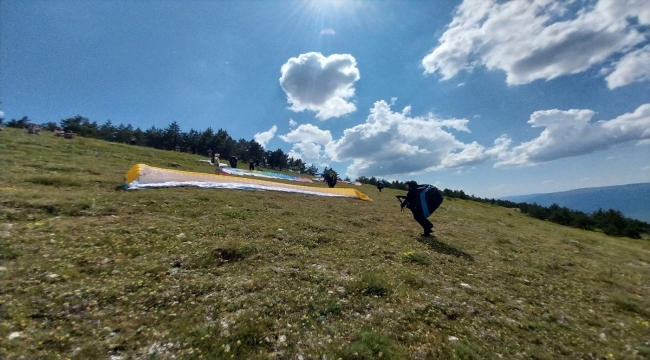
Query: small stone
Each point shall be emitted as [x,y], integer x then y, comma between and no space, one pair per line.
[453,338]
[14,335]
[282,338]
[465,286]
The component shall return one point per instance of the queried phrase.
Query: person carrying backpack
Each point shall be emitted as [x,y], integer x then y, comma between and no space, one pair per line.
[422,200]
[330,178]
[233,161]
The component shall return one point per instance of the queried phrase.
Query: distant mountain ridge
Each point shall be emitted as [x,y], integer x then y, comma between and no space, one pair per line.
[633,200]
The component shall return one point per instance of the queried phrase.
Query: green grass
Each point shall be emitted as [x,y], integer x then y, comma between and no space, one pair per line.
[88,270]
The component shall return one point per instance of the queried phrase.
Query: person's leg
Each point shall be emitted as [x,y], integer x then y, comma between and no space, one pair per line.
[427,226]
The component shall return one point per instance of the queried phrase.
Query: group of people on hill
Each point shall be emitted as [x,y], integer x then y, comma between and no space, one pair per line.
[253,164]
[421,199]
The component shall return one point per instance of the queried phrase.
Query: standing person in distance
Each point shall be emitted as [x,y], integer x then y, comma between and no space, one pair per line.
[216,162]
[330,177]
[233,161]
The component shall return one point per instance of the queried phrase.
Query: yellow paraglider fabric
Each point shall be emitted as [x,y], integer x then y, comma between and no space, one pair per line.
[143,176]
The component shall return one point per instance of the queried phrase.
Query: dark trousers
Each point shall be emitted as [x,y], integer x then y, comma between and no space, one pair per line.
[427,226]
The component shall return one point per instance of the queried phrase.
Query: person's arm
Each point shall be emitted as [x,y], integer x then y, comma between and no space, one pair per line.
[411,198]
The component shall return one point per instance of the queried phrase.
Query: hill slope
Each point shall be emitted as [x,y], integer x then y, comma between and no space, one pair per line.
[88,270]
[633,200]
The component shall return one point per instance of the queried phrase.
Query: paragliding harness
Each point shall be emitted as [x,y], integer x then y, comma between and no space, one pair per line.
[429,197]
[331,178]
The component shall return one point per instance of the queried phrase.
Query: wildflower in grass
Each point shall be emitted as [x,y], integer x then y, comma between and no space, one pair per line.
[416,257]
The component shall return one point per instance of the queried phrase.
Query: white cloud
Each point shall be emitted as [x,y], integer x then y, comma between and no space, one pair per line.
[292,123]
[308,133]
[542,39]
[392,143]
[263,138]
[388,143]
[309,153]
[308,144]
[2,113]
[570,133]
[643,142]
[328,32]
[396,143]
[633,67]
[321,84]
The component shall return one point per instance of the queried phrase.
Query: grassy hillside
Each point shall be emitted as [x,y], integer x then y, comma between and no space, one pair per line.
[88,270]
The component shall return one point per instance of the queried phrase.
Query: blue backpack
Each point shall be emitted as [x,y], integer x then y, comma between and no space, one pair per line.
[430,199]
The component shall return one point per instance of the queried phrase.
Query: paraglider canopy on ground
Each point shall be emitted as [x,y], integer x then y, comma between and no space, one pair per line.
[144,176]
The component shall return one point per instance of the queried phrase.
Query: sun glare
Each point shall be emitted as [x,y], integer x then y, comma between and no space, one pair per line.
[334,5]
[327,16]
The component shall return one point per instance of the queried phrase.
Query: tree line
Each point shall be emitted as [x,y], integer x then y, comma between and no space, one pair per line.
[611,222]
[172,138]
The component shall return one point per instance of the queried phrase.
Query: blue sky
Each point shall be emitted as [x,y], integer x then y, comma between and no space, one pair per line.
[495,98]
